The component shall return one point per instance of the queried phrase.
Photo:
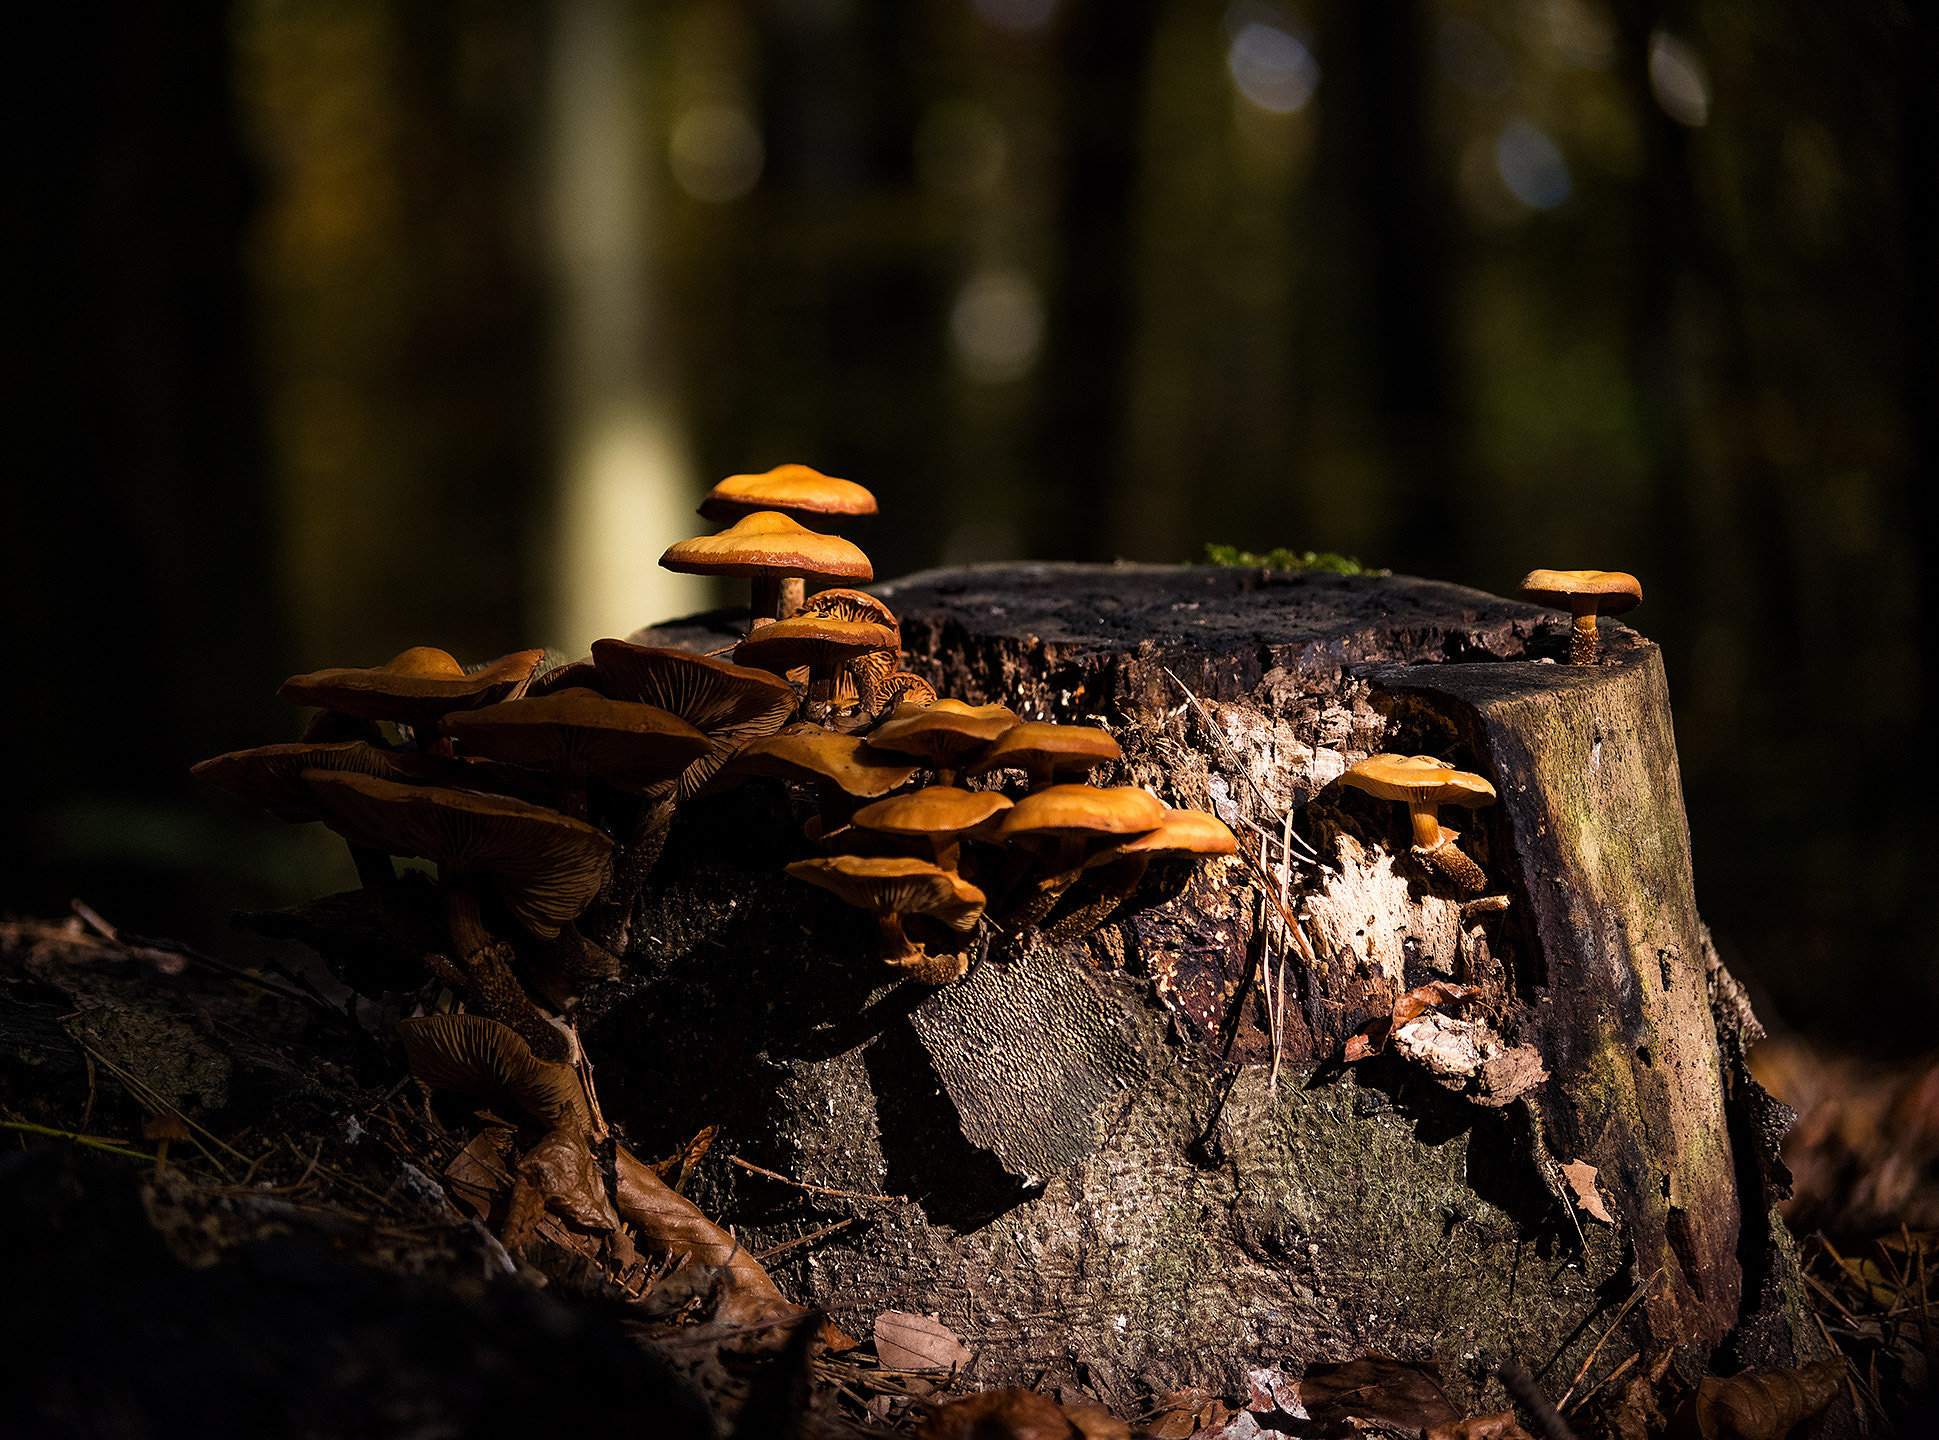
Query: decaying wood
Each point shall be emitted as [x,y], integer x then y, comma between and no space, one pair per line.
[1108,1188]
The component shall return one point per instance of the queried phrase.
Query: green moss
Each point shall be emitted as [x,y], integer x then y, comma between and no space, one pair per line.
[1284,559]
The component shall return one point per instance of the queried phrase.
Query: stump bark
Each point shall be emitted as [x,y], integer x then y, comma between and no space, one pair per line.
[1107,1189]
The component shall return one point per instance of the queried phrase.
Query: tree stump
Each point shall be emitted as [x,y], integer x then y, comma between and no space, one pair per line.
[1108,1189]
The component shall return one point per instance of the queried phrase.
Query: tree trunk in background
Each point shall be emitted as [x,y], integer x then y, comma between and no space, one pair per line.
[1108,1189]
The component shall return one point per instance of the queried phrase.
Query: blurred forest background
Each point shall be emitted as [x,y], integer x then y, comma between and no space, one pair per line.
[337,326]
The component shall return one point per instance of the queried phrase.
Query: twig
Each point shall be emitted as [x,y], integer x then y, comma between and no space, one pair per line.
[92,1142]
[1231,755]
[819,1189]
[1637,1294]
[93,920]
[1520,1384]
[1586,1394]
[808,1239]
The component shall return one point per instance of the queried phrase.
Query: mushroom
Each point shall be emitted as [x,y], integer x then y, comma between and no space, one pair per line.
[544,866]
[941,814]
[1423,784]
[825,645]
[417,688]
[894,887]
[947,733]
[575,733]
[865,673]
[483,1059]
[1044,751]
[1584,594]
[797,491]
[843,768]
[902,689]
[163,1129]
[1059,822]
[768,548]
[1122,867]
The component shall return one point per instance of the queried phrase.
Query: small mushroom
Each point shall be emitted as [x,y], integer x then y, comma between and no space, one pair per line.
[1060,822]
[796,491]
[769,548]
[1585,594]
[894,888]
[163,1130]
[947,733]
[1122,867]
[1423,784]
[862,678]
[1045,752]
[903,689]
[843,768]
[417,688]
[826,646]
[545,867]
[482,1059]
[941,814]
[576,733]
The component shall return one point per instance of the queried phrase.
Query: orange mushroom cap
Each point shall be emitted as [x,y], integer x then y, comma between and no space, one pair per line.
[1605,592]
[767,544]
[418,687]
[797,491]
[627,744]
[1418,780]
[895,885]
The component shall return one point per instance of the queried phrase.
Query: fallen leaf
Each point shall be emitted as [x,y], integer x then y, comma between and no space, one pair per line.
[994,1414]
[480,1174]
[1094,1422]
[1765,1405]
[1372,1037]
[1479,1427]
[1376,1387]
[919,1342]
[1274,1390]
[1581,1176]
[1183,1413]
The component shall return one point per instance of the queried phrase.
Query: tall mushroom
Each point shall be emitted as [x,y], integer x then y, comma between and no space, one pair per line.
[797,491]
[576,733]
[1585,594]
[545,867]
[942,815]
[894,888]
[826,646]
[1424,784]
[947,734]
[1121,867]
[768,549]
[417,688]
[1045,752]
[1061,822]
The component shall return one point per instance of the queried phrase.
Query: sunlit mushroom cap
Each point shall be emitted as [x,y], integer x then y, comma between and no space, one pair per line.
[418,687]
[481,1059]
[545,866]
[1418,779]
[841,604]
[1614,592]
[1085,810]
[847,761]
[1037,743]
[940,810]
[944,732]
[272,775]
[817,641]
[629,745]
[767,543]
[895,885]
[794,490]
[730,704]
[1182,832]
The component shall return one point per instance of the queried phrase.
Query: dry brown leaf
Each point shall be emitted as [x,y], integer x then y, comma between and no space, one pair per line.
[1094,1422]
[918,1342]
[1182,1413]
[999,1415]
[1273,1390]
[1479,1427]
[1581,1176]
[1371,1038]
[1765,1405]
[1376,1387]
[561,1169]
[671,1224]
[480,1174]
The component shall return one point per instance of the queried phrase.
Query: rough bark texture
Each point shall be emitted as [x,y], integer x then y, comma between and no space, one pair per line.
[1106,1187]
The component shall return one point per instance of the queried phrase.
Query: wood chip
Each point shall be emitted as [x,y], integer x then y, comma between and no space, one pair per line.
[1581,1176]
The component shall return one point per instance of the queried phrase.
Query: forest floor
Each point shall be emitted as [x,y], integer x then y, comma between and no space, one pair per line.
[227,1209]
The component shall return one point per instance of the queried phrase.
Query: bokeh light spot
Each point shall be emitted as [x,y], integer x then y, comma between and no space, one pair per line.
[1271,67]
[1678,80]
[1532,167]
[716,153]
[996,326]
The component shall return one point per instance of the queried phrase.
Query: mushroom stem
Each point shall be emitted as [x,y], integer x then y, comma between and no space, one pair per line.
[897,948]
[794,590]
[1049,890]
[1427,825]
[767,600]
[1098,901]
[1582,638]
[463,918]
[571,786]
[1454,863]
[636,862]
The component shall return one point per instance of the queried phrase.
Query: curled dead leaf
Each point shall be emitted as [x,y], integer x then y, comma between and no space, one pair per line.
[999,1415]
[1372,1037]
[1094,1422]
[1502,1426]
[671,1224]
[1581,1176]
[918,1342]
[1184,1413]
[1378,1388]
[1763,1405]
